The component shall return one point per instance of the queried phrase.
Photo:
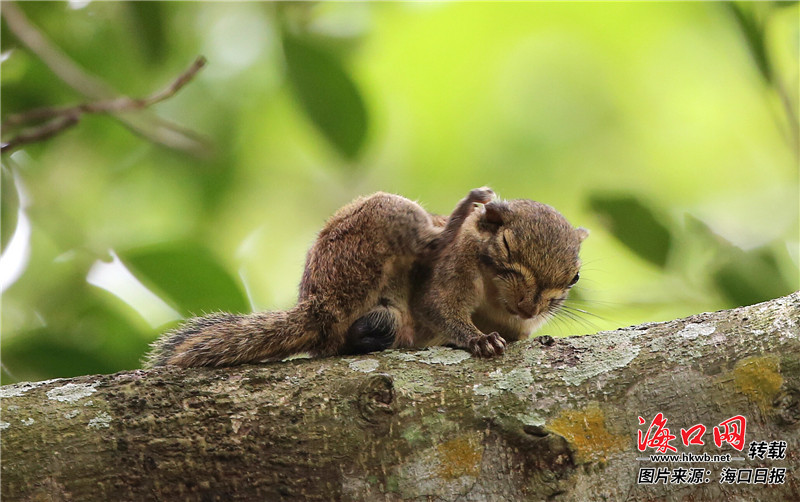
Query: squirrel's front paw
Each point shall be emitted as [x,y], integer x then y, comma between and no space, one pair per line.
[481,195]
[490,345]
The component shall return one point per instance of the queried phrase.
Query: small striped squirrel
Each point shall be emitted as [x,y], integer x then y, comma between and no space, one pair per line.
[384,272]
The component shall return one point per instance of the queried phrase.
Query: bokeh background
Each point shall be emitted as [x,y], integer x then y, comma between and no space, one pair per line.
[667,129]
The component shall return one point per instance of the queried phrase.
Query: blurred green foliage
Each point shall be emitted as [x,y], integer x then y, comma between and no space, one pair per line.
[667,129]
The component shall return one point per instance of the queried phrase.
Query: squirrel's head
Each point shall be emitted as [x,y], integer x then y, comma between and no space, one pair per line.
[531,255]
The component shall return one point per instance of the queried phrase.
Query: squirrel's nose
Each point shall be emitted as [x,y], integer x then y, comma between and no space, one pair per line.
[527,309]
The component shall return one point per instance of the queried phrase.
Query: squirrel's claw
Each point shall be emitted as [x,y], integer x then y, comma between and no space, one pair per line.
[490,345]
[481,195]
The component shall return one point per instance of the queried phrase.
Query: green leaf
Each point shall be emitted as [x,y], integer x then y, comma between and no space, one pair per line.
[634,225]
[90,335]
[753,34]
[43,354]
[9,206]
[147,17]
[187,276]
[744,277]
[700,232]
[752,277]
[328,94]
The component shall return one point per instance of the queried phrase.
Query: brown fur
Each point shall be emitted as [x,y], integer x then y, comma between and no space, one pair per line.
[508,271]
[424,277]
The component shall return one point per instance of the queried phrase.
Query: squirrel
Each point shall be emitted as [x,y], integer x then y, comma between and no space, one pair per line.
[384,273]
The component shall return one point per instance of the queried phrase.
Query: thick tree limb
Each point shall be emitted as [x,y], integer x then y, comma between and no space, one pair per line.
[552,419]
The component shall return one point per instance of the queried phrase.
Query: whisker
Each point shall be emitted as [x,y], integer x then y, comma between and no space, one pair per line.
[592,314]
[576,309]
[555,322]
[585,323]
[572,299]
[569,315]
[554,326]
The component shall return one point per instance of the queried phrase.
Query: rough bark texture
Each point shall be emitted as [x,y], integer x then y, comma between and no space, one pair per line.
[552,419]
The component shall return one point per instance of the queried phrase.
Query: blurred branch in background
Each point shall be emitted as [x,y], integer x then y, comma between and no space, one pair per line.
[40,133]
[61,118]
[150,127]
[753,30]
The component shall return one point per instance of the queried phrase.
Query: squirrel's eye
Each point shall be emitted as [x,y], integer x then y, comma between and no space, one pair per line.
[505,243]
[575,279]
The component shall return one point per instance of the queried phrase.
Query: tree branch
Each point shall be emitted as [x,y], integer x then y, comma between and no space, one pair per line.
[753,31]
[121,104]
[108,101]
[550,419]
[58,62]
[67,116]
[40,133]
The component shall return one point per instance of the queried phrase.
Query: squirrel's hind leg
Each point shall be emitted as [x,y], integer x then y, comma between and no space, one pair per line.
[374,331]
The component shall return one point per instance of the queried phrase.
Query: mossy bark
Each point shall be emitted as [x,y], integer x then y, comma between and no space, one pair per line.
[551,419]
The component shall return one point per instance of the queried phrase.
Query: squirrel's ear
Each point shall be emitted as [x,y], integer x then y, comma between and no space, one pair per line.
[582,233]
[496,212]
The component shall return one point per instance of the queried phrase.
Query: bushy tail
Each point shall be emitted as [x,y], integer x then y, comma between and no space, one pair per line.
[228,339]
